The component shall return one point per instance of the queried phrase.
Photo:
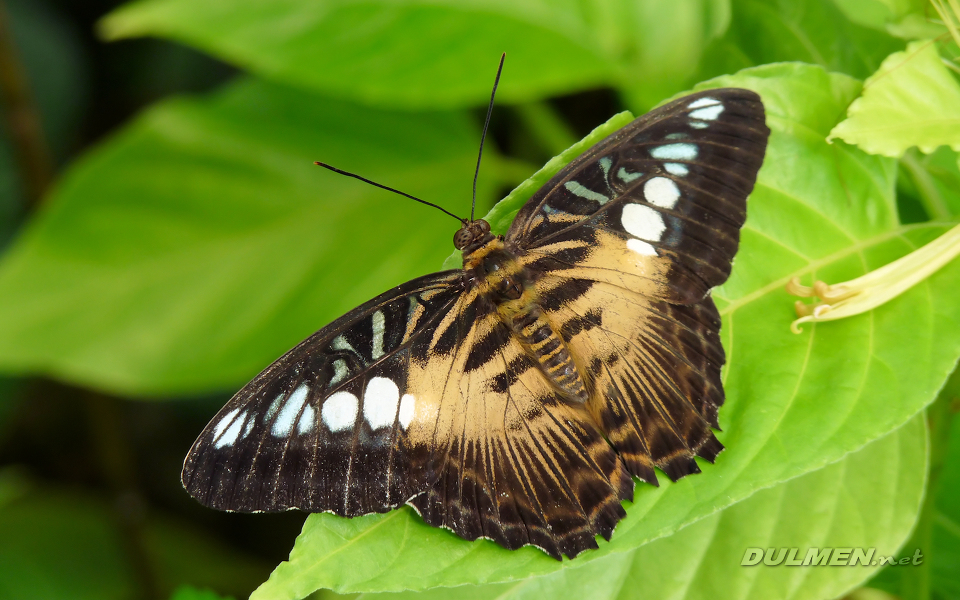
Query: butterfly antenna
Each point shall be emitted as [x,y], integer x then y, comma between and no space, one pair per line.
[389,189]
[483,136]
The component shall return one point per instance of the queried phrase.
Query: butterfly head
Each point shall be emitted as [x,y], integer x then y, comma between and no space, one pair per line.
[472,235]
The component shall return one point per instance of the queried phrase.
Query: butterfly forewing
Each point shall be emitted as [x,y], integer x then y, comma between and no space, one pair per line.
[325,427]
[671,187]
[514,399]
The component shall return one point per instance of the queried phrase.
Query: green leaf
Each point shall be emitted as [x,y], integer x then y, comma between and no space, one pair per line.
[912,100]
[56,549]
[812,31]
[932,180]
[201,242]
[795,403]
[191,593]
[415,54]
[56,544]
[946,518]
[441,54]
[909,19]
[869,499]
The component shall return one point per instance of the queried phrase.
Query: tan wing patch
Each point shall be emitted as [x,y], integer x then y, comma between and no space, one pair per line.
[510,460]
[654,370]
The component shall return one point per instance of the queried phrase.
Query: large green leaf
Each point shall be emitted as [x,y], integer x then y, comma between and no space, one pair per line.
[423,53]
[938,532]
[904,18]
[869,499]
[58,545]
[912,100]
[812,31]
[198,244]
[795,403]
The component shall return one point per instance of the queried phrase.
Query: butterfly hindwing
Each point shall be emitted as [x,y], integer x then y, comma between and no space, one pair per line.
[324,428]
[512,460]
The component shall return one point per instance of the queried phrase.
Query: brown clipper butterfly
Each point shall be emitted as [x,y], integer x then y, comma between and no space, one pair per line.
[517,398]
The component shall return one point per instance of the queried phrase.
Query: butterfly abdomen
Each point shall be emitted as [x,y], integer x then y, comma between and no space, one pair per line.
[509,286]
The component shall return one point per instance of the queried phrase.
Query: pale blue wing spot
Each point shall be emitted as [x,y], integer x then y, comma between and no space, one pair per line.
[707,114]
[226,436]
[307,420]
[288,414]
[678,169]
[702,102]
[379,322]
[340,371]
[627,176]
[575,188]
[272,410]
[675,152]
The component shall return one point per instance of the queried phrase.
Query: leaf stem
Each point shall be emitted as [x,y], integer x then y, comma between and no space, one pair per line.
[23,119]
[930,196]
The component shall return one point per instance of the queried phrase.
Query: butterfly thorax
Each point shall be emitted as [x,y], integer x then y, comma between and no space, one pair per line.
[494,270]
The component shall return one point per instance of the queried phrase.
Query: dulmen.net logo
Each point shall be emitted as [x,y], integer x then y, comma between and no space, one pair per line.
[824,557]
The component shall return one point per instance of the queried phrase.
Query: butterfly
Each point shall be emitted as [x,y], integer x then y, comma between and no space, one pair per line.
[518,398]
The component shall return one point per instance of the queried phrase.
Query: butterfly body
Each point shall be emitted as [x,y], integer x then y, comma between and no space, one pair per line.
[517,398]
[509,287]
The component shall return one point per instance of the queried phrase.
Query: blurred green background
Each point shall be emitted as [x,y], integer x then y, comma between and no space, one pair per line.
[165,236]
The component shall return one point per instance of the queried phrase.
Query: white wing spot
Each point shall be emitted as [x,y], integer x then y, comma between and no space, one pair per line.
[605,164]
[661,192]
[224,422]
[578,190]
[641,247]
[232,433]
[340,371]
[707,114]
[307,420]
[380,402]
[273,408]
[341,343]
[702,102]
[678,169]
[339,412]
[627,175]
[379,322]
[408,406]
[288,414]
[643,222]
[247,429]
[699,124]
[675,152]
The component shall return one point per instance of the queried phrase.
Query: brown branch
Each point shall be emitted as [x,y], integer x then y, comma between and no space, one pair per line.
[23,119]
